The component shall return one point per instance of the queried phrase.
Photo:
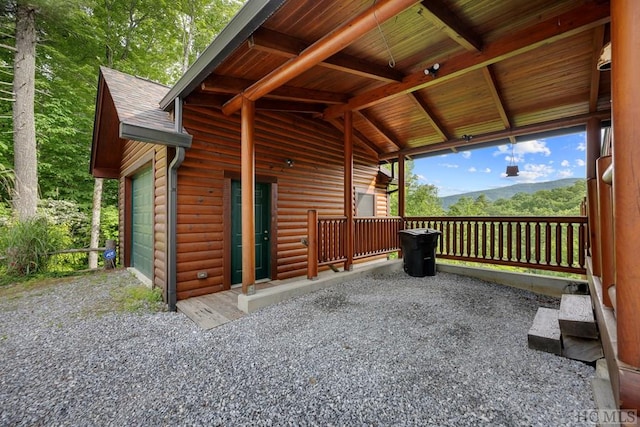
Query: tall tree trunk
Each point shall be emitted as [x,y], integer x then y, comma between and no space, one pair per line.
[95,222]
[25,198]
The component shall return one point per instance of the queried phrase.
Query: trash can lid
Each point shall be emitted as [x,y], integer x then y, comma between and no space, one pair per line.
[419,231]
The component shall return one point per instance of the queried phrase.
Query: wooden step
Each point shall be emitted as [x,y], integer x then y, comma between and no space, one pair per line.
[583,349]
[544,334]
[576,317]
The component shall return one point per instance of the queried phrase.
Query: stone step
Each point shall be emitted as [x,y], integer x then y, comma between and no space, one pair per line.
[576,317]
[583,349]
[544,334]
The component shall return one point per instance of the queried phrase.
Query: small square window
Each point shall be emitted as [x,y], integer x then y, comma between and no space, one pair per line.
[365,204]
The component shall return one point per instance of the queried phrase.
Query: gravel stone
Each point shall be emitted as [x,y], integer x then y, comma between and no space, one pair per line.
[389,349]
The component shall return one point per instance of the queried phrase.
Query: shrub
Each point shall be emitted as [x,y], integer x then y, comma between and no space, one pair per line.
[27,245]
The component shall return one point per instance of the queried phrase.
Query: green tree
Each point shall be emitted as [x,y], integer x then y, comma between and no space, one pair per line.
[420,199]
[466,206]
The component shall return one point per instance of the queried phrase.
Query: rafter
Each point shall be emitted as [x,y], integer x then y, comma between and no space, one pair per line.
[594,89]
[451,24]
[490,78]
[380,129]
[232,85]
[580,19]
[277,43]
[338,124]
[327,46]
[566,122]
[435,124]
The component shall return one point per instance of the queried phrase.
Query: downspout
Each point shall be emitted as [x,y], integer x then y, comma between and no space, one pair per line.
[172,211]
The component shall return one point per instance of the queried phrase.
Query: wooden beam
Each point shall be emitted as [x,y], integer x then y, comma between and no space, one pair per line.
[594,88]
[501,134]
[380,129]
[451,24]
[348,188]
[247,184]
[435,124]
[366,142]
[327,46]
[625,61]
[289,106]
[580,19]
[492,85]
[281,44]
[233,85]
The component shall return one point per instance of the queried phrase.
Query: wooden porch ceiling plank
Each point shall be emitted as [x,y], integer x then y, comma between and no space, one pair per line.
[366,142]
[380,129]
[492,85]
[234,85]
[502,134]
[594,89]
[277,43]
[435,124]
[327,46]
[451,24]
[565,25]
[210,100]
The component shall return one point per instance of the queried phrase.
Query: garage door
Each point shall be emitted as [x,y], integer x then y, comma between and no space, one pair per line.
[142,222]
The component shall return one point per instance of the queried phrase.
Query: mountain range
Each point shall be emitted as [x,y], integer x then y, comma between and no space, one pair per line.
[509,191]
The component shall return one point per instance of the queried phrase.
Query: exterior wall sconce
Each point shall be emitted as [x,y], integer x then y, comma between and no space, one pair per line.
[604,63]
[433,70]
[289,163]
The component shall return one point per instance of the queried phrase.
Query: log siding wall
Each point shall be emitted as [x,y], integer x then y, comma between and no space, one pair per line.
[314,182]
[137,156]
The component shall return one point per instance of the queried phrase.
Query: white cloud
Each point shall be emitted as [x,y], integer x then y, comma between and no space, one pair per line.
[527,147]
[472,169]
[565,163]
[581,146]
[448,165]
[580,162]
[565,173]
[487,170]
[466,154]
[534,173]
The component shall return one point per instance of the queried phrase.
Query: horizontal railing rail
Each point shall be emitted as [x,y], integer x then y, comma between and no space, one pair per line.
[544,243]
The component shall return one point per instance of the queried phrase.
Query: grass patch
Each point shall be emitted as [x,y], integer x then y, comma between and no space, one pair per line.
[137,298]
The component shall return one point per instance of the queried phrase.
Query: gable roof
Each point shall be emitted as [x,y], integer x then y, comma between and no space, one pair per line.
[127,109]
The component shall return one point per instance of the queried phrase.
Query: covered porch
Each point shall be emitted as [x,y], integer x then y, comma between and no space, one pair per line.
[403,79]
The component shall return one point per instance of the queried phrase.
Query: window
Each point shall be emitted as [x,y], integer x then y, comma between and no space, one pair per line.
[365,205]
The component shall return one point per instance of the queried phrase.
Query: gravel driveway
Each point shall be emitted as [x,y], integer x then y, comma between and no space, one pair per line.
[384,350]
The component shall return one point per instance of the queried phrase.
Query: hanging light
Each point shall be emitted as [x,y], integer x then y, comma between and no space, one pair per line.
[512,168]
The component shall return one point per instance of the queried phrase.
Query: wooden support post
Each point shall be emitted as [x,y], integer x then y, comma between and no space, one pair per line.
[348,188]
[625,63]
[593,152]
[401,186]
[607,244]
[312,244]
[247,184]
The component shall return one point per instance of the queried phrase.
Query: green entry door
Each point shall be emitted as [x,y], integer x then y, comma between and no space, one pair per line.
[263,231]
[142,222]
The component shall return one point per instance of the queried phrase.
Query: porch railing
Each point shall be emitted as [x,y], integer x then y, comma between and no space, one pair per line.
[545,243]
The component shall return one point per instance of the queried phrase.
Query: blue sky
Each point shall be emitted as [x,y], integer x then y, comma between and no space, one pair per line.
[538,160]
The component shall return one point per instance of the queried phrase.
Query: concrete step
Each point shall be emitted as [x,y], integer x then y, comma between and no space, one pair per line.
[576,317]
[584,349]
[544,334]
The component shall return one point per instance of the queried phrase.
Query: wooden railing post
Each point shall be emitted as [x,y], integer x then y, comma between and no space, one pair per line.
[312,244]
[605,214]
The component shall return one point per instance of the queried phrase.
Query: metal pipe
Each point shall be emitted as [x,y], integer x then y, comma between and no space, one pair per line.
[172,211]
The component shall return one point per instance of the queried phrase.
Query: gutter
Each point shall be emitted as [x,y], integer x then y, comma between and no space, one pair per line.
[244,23]
[172,211]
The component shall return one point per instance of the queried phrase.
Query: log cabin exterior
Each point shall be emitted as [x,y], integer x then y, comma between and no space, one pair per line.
[287,116]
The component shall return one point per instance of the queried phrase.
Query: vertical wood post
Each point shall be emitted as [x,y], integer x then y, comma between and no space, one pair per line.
[607,244]
[247,184]
[593,152]
[401,187]
[348,187]
[312,244]
[625,63]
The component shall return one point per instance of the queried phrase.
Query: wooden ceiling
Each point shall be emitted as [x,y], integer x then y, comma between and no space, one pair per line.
[507,68]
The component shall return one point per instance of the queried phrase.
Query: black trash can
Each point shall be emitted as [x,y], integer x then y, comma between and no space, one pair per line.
[419,251]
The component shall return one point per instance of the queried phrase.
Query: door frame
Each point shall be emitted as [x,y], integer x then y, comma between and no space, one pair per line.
[226,222]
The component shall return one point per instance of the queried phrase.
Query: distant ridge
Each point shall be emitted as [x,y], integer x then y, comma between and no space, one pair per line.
[509,191]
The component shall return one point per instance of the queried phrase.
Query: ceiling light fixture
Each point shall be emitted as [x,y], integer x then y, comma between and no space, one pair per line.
[433,70]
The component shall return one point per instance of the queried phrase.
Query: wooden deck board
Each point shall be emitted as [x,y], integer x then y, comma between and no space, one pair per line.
[213,310]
